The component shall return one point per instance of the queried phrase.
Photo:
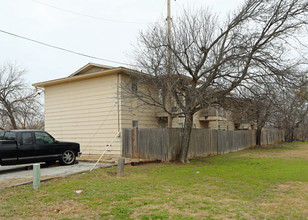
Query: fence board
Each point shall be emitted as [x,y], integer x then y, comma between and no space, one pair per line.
[165,144]
[127,142]
[199,143]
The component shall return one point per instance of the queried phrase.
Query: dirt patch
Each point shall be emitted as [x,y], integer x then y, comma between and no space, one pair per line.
[289,199]
[13,182]
[197,205]
[69,209]
[301,151]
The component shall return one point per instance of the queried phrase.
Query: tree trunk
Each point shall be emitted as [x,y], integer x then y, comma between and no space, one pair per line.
[286,132]
[258,136]
[12,119]
[10,115]
[292,135]
[289,134]
[186,136]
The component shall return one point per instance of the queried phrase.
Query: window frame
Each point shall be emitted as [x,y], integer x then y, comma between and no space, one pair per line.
[22,140]
[14,134]
[45,133]
[134,123]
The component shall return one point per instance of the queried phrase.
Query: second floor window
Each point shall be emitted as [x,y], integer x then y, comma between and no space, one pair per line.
[135,124]
[134,85]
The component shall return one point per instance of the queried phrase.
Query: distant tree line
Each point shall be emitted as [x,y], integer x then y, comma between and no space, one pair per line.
[278,105]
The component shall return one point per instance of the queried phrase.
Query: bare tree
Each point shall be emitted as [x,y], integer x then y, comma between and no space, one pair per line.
[301,133]
[19,105]
[292,110]
[252,108]
[283,104]
[210,59]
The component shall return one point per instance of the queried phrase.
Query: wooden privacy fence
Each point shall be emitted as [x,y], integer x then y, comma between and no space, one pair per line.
[165,144]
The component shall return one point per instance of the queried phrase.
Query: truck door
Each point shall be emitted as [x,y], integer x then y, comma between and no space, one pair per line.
[47,148]
[27,152]
[8,148]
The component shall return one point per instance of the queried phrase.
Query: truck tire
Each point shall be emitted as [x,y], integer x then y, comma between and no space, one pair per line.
[68,157]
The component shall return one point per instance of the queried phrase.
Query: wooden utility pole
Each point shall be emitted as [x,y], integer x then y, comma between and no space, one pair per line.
[169,67]
[169,37]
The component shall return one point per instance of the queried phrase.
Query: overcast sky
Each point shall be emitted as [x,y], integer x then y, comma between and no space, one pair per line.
[101,28]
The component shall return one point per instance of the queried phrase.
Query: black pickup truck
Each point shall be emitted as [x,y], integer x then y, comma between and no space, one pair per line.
[30,146]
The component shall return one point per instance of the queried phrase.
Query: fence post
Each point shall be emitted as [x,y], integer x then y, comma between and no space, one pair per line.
[210,142]
[217,144]
[36,176]
[135,137]
[120,171]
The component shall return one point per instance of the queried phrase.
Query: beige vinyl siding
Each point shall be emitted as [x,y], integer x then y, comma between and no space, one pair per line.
[223,125]
[146,117]
[133,109]
[85,112]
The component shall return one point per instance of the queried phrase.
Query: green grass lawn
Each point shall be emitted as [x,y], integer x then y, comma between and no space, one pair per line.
[263,183]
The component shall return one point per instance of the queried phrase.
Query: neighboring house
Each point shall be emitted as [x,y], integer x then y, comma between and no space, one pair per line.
[210,117]
[89,107]
[216,118]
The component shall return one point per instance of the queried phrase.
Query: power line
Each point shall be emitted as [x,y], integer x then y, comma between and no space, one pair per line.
[66,50]
[85,15]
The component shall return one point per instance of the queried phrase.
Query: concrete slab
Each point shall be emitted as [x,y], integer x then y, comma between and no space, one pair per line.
[16,175]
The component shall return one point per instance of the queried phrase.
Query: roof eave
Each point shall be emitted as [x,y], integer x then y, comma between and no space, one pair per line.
[77,78]
[89,65]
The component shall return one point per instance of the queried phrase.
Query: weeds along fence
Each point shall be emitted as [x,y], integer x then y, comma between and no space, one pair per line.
[165,144]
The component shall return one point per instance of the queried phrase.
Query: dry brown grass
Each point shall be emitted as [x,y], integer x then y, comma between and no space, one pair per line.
[289,199]
[14,181]
[301,151]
